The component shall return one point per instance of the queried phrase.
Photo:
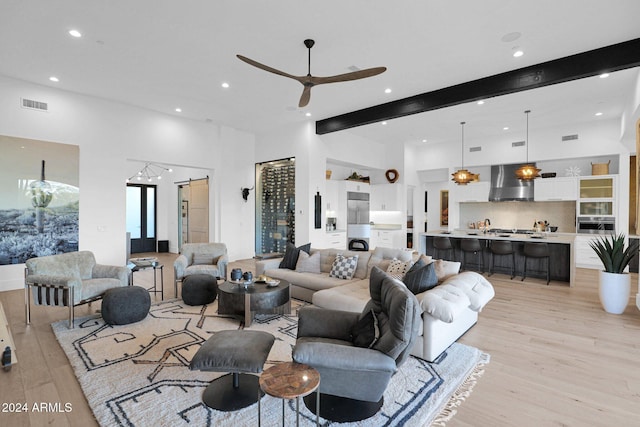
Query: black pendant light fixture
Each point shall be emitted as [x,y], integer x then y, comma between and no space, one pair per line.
[528,171]
[463,176]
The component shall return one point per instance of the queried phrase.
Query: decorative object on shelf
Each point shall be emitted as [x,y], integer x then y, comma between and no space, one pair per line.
[614,284]
[573,171]
[150,171]
[600,168]
[328,174]
[528,171]
[245,192]
[462,176]
[355,176]
[310,81]
[392,175]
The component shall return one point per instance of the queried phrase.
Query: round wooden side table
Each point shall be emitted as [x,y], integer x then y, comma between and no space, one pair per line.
[291,380]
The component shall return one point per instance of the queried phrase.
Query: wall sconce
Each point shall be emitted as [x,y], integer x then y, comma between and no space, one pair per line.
[150,171]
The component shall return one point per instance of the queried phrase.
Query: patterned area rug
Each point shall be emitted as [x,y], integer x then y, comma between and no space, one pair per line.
[138,375]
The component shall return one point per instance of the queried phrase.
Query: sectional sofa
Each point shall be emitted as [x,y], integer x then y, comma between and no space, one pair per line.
[448,310]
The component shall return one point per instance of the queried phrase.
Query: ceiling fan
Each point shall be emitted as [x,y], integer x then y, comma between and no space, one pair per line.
[310,81]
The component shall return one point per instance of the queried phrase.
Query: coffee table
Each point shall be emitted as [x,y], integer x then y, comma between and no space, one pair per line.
[245,301]
[290,380]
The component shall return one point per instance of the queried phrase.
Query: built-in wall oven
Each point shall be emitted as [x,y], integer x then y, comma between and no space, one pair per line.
[596,224]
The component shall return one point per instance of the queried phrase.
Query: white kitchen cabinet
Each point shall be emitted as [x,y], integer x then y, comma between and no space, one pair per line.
[584,255]
[357,186]
[386,197]
[332,199]
[555,189]
[388,239]
[473,192]
[336,240]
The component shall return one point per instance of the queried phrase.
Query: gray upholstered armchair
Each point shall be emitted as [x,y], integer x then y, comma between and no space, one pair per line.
[355,367]
[200,258]
[69,280]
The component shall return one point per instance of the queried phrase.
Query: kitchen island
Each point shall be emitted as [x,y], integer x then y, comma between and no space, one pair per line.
[561,251]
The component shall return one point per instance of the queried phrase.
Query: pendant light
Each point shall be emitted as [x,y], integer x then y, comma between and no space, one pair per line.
[463,176]
[527,172]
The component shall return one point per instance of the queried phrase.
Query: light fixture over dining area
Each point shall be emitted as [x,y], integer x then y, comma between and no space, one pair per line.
[462,176]
[149,172]
[528,171]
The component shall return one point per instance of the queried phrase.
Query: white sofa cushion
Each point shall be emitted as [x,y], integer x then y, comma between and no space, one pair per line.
[475,287]
[313,281]
[444,302]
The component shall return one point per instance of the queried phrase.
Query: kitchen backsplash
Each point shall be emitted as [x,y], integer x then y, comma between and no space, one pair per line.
[520,214]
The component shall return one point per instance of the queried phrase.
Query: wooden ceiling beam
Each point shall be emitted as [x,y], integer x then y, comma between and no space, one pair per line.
[591,63]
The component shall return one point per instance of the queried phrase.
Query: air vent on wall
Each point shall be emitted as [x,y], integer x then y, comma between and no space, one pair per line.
[34,105]
[570,137]
[473,149]
[518,144]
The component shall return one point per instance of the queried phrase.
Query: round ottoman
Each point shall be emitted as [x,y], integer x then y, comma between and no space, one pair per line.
[129,304]
[199,289]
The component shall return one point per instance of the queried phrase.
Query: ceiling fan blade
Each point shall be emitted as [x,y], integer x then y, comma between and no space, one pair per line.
[267,68]
[355,75]
[306,96]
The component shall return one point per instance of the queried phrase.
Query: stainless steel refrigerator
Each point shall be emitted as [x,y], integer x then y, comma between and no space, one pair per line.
[358,227]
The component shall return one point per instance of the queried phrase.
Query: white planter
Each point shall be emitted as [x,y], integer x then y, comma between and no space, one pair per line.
[614,290]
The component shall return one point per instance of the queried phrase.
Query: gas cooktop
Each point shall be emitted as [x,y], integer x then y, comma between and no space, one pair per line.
[510,230]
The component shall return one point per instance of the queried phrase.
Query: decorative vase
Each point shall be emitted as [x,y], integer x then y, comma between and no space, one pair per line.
[614,290]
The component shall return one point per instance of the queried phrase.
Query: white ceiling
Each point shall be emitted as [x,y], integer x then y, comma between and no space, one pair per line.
[163,54]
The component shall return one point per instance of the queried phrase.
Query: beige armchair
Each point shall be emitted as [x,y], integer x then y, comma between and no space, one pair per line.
[200,258]
[69,280]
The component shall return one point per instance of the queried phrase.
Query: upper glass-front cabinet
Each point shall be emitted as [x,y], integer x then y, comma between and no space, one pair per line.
[597,196]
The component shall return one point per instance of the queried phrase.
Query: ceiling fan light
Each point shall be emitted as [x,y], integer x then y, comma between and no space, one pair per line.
[528,172]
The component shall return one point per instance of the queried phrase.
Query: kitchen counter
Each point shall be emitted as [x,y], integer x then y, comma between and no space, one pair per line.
[561,248]
[386,226]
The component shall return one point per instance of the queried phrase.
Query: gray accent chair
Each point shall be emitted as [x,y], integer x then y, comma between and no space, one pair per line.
[69,280]
[200,258]
[355,373]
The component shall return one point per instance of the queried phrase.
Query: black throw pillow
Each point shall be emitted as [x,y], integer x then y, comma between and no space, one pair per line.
[291,255]
[365,333]
[420,277]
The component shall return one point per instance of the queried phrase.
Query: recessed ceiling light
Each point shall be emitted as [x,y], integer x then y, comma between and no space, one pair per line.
[225,85]
[384,123]
[54,79]
[178,110]
[308,114]
[505,128]
[518,53]
[481,102]
[387,90]
[75,33]
[598,113]
[604,75]
[424,140]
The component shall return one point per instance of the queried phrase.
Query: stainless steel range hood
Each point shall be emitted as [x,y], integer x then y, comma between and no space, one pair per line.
[506,187]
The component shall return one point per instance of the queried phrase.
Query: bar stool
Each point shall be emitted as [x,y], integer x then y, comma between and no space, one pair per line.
[473,246]
[441,243]
[536,250]
[503,247]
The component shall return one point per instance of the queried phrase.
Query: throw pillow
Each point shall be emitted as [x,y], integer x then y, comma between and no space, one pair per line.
[366,332]
[397,268]
[420,277]
[344,266]
[291,255]
[203,259]
[308,263]
[445,269]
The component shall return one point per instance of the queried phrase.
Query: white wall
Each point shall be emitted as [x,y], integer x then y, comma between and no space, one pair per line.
[109,133]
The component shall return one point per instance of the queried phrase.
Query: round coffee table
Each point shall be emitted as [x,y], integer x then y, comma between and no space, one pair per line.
[245,301]
[291,380]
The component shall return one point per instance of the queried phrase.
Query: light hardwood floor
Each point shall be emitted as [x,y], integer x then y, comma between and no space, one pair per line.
[557,359]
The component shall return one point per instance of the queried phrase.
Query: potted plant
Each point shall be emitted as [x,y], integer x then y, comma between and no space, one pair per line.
[615,284]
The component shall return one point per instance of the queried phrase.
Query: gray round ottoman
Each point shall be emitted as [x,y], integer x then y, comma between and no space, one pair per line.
[199,289]
[129,304]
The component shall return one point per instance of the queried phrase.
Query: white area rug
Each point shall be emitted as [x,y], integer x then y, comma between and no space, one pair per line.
[138,374]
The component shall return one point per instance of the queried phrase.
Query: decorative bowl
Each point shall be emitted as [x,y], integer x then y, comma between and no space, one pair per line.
[144,262]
